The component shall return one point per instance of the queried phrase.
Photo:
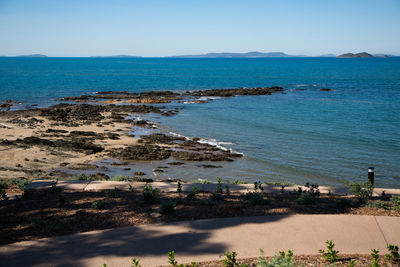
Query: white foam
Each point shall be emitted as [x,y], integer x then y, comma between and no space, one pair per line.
[211,141]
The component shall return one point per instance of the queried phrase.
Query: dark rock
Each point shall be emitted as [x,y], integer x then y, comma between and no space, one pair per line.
[99,176]
[55,131]
[209,166]
[75,145]
[138,173]
[161,138]
[176,163]
[194,156]
[325,89]
[139,152]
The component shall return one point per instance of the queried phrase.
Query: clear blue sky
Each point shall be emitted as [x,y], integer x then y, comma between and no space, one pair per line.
[173,27]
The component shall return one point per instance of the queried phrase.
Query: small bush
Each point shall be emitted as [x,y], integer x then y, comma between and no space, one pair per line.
[393,256]
[375,257]
[378,204]
[230,260]
[191,196]
[81,177]
[308,196]
[238,182]
[218,190]
[99,204]
[136,263]
[253,199]
[149,194]
[305,199]
[19,182]
[227,190]
[195,190]
[179,187]
[330,255]
[279,183]
[3,184]
[203,181]
[363,191]
[280,259]
[258,186]
[395,200]
[121,178]
[167,207]
[216,197]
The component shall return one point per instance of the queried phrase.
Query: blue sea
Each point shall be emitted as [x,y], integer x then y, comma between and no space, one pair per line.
[305,135]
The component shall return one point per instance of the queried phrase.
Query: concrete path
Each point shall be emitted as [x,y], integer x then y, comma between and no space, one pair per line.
[205,240]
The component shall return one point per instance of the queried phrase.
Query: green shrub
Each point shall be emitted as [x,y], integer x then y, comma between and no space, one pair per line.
[203,181]
[121,178]
[135,263]
[195,190]
[80,176]
[258,186]
[330,255]
[375,257]
[179,187]
[216,197]
[230,260]
[173,262]
[305,199]
[281,259]
[167,207]
[236,181]
[309,195]
[19,182]
[378,204]
[219,186]
[395,200]
[363,191]
[191,196]
[99,204]
[279,183]
[227,190]
[3,184]
[149,194]
[393,256]
[252,199]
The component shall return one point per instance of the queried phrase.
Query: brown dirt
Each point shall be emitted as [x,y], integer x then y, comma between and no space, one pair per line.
[307,260]
[48,213]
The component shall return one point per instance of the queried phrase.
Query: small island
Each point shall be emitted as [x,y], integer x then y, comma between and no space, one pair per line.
[33,55]
[351,55]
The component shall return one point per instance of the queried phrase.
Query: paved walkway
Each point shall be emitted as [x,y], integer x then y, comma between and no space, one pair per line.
[205,240]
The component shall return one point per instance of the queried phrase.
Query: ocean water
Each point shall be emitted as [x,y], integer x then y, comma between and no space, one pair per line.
[303,135]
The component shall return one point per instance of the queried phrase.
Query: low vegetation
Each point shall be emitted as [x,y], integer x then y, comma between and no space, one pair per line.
[329,258]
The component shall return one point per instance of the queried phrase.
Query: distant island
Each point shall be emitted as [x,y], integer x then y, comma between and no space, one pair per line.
[254,54]
[116,56]
[33,55]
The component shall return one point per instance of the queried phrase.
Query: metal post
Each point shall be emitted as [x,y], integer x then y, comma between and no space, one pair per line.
[371,175]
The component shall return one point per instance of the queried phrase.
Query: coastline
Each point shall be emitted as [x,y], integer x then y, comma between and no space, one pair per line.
[95,135]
